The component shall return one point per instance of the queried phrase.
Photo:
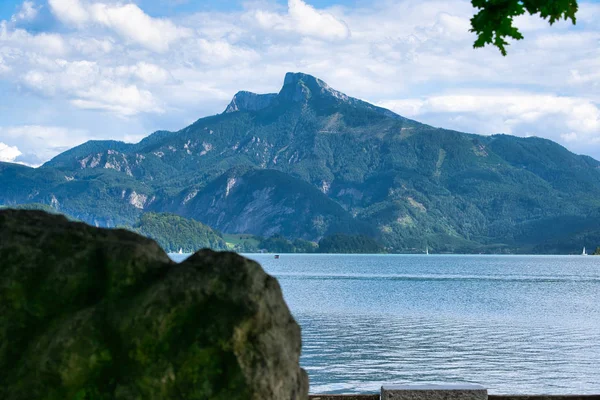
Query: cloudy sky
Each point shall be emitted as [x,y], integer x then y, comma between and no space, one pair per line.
[75,70]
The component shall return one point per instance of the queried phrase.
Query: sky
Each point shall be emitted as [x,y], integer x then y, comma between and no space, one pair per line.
[77,70]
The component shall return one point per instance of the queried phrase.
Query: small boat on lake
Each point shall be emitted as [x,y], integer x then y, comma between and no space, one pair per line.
[584,253]
[277,256]
[180,251]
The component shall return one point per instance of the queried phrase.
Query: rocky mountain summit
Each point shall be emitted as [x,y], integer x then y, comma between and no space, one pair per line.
[248,101]
[95,314]
[310,161]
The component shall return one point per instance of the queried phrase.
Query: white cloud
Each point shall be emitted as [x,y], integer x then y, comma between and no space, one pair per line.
[20,40]
[126,20]
[90,86]
[591,76]
[70,12]
[90,47]
[589,13]
[558,41]
[131,23]
[28,12]
[151,73]
[220,52]
[304,19]
[3,67]
[570,120]
[311,22]
[8,153]
[62,76]
[146,72]
[43,141]
[569,137]
[502,103]
[123,100]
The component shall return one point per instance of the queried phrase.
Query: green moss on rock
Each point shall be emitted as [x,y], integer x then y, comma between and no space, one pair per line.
[95,314]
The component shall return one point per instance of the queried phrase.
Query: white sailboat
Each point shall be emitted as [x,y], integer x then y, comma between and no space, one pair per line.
[584,253]
[180,251]
[427,250]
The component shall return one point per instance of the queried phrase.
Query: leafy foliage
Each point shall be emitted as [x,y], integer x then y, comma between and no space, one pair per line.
[242,243]
[337,243]
[33,206]
[173,232]
[304,246]
[349,244]
[279,244]
[494,21]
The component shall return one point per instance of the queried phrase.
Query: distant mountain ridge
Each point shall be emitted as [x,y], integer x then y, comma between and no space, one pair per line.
[310,161]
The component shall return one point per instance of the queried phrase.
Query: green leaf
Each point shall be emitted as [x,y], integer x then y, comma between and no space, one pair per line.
[494,21]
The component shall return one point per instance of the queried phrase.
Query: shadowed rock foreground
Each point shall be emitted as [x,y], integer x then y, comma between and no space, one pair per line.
[88,313]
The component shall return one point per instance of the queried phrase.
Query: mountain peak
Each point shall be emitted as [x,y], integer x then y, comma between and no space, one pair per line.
[248,101]
[298,86]
[295,78]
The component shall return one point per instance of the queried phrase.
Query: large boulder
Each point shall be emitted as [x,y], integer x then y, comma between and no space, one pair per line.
[88,313]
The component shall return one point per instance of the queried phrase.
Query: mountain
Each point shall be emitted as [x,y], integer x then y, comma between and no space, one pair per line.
[310,161]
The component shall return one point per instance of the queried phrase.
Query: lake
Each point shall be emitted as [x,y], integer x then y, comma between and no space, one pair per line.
[515,324]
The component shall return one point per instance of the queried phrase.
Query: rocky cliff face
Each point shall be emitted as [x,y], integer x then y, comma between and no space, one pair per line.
[261,202]
[88,313]
[248,101]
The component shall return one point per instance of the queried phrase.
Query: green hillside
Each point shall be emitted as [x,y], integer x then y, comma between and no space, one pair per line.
[173,233]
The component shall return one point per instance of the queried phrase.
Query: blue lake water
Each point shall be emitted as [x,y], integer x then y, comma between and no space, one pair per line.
[515,324]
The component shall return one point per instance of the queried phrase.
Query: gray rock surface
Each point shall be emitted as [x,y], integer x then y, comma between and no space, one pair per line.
[248,101]
[434,392]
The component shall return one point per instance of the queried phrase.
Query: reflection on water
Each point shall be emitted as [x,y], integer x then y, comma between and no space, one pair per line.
[516,324]
[359,353]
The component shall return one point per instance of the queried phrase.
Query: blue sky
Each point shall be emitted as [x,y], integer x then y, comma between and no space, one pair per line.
[75,70]
[156,8]
[173,8]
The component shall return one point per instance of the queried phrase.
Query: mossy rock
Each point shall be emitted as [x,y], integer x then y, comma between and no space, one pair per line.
[88,313]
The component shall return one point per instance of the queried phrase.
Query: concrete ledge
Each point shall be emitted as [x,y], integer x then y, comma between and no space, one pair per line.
[490,397]
[434,392]
[544,397]
[344,397]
